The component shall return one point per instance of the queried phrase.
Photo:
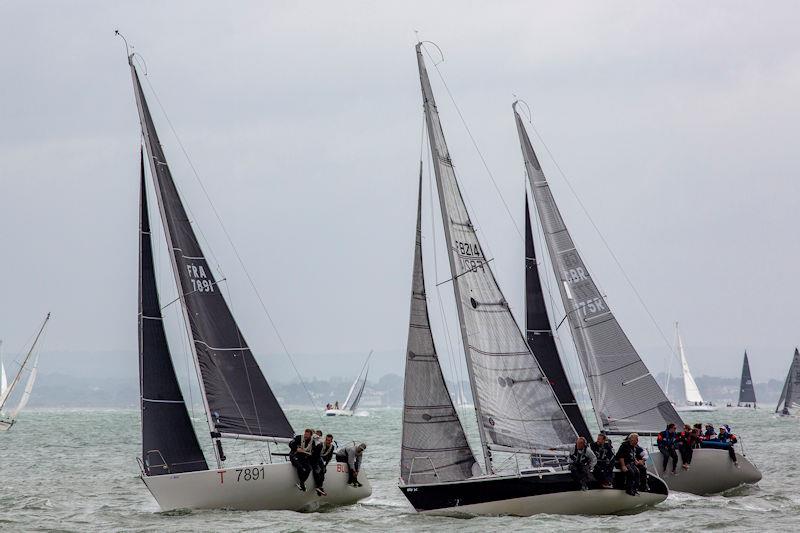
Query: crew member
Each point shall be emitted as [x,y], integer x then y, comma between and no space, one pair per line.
[604,452]
[581,463]
[631,461]
[301,448]
[667,442]
[320,457]
[352,456]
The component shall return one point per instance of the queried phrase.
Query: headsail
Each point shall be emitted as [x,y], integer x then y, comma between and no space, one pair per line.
[747,393]
[790,396]
[26,394]
[515,404]
[169,443]
[24,367]
[690,388]
[239,401]
[625,395]
[540,334]
[435,447]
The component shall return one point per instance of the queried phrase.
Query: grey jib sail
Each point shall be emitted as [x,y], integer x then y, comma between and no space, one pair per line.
[625,395]
[515,403]
[540,334]
[790,395]
[169,443]
[747,394]
[240,401]
[434,447]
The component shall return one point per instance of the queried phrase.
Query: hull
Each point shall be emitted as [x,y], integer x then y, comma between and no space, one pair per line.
[254,487]
[529,494]
[711,472]
[5,425]
[695,408]
[338,412]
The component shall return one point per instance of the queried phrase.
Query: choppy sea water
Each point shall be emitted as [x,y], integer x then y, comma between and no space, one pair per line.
[75,470]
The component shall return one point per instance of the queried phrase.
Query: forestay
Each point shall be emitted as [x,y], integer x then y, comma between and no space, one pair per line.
[434,445]
[169,443]
[515,404]
[239,400]
[540,334]
[625,395]
[747,393]
[790,395]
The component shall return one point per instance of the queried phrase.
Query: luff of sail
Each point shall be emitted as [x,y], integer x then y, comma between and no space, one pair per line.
[790,395]
[515,404]
[690,388]
[625,395]
[169,443]
[239,401]
[434,445]
[747,393]
[540,335]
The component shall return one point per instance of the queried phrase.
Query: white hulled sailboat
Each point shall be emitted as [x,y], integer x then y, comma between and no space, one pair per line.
[693,400]
[238,402]
[789,401]
[30,365]
[625,396]
[348,408]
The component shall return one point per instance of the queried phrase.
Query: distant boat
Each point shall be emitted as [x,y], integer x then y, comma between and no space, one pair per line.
[348,408]
[29,364]
[747,393]
[238,402]
[691,392]
[790,395]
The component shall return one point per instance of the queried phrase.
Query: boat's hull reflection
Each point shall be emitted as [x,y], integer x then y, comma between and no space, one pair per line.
[529,494]
[254,487]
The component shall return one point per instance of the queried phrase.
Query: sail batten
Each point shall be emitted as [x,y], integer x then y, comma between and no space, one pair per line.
[624,394]
[511,397]
[747,393]
[434,445]
[237,397]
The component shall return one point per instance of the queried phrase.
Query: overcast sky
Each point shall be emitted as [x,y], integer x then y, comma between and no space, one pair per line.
[675,122]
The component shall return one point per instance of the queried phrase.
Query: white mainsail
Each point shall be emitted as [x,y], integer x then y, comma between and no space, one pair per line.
[692,392]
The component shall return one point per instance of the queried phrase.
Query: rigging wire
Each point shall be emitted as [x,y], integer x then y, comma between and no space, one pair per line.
[233,247]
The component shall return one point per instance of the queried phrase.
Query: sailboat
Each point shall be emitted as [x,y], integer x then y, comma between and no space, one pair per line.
[348,408]
[519,417]
[30,364]
[747,393]
[237,400]
[790,395]
[625,396]
[693,399]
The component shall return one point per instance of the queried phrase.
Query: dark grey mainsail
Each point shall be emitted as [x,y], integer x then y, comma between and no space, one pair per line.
[169,443]
[790,395]
[515,404]
[747,393]
[540,334]
[625,395]
[434,445]
[239,402]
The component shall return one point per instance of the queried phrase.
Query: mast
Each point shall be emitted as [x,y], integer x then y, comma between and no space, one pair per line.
[624,393]
[238,401]
[515,403]
[432,123]
[7,393]
[152,163]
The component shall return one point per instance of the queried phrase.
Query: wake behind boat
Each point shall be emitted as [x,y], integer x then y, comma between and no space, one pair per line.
[520,420]
[29,366]
[238,402]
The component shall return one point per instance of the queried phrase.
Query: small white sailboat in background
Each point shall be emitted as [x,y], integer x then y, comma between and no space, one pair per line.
[693,399]
[790,395]
[29,364]
[348,408]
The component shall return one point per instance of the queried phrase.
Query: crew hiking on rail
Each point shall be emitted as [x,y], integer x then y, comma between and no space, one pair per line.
[310,454]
